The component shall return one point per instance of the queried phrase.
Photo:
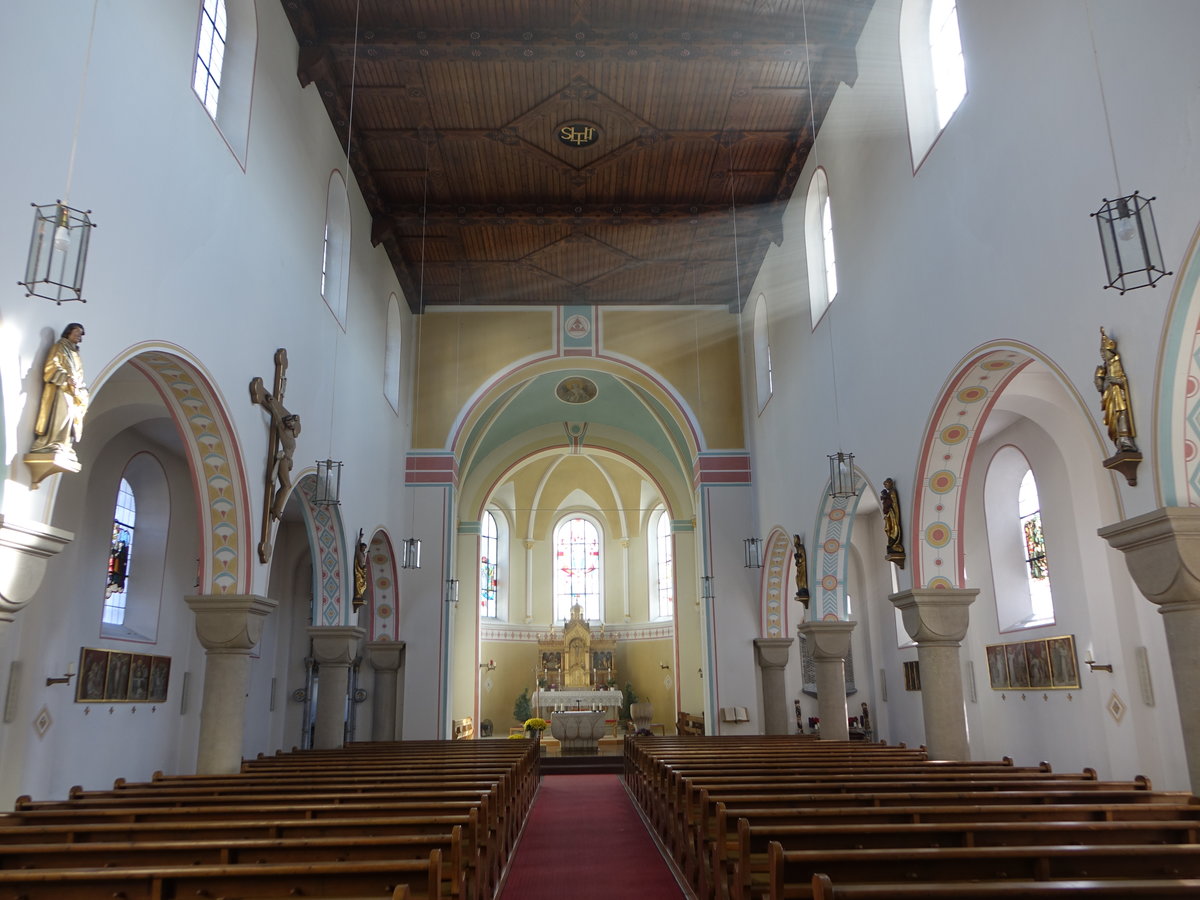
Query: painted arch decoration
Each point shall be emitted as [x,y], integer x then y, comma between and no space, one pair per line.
[775,590]
[830,551]
[215,461]
[1177,417]
[327,539]
[384,589]
[945,461]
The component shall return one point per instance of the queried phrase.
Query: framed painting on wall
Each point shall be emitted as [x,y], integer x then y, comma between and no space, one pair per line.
[93,674]
[997,667]
[1018,669]
[1037,658]
[1064,671]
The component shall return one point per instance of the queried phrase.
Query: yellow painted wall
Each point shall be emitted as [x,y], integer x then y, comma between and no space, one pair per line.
[697,351]
[459,351]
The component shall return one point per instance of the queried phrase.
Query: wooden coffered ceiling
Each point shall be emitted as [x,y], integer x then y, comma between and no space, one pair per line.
[699,115]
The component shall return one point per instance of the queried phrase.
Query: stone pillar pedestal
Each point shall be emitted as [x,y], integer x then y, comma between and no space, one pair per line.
[334,649]
[1162,552]
[25,549]
[937,621]
[228,626]
[387,659]
[830,645]
[772,657]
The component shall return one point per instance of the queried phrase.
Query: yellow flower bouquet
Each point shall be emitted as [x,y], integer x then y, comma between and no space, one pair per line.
[536,724]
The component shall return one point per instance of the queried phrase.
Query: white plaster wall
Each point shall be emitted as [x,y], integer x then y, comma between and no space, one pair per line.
[990,239]
[222,261]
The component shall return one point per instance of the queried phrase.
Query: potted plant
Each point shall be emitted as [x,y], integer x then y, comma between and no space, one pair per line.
[523,708]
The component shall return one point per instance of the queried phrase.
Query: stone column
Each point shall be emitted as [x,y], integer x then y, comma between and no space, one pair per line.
[830,645]
[1162,552]
[25,549]
[334,648]
[937,621]
[387,659]
[772,657]
[228,626]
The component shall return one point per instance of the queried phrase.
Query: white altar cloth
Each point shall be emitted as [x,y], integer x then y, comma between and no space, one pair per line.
[550,700]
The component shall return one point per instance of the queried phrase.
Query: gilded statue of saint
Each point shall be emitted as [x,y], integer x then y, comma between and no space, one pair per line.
[801,559]
[889,502]
[64,396]
[360,571]
[1114,396]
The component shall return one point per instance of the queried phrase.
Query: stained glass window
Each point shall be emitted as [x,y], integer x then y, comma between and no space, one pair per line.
[576,568]
[488,575]
[666,568]
[1036,564]
[119,556]
[210,54]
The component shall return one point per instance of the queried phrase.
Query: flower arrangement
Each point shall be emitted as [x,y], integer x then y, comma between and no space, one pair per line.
[536,724]
[517,735]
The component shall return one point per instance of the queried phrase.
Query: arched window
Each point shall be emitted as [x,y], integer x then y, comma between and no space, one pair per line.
[135,562]
[391,355]
[662,603]
[819,247]
[223,68]
[210,54]
[335,248]
[576,568]
[120,556]
[1020,563]
[1037,567]
[764,377]
[946,56]
[488,566]
[931,60]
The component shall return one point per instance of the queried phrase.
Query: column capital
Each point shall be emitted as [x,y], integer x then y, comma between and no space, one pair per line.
[230,622]
[335,644]
[385,656]
[935,616]
[1162,552]
[828,640]
[772,653]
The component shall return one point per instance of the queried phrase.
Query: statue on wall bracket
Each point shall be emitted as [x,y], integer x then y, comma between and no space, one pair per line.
[800,557]
[1113,385]
[889,502]
[63,405]
[281,446]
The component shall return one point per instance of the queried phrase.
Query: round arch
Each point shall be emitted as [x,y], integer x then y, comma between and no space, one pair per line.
[948,449]
[214,459]
[384,589]
[1177,413]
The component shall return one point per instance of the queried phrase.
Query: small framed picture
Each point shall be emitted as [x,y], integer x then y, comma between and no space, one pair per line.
[116,686]
[139,677]
[93,674]
[1037,658]
[160,677]
[1018,669]
[1064,670]
[997,667]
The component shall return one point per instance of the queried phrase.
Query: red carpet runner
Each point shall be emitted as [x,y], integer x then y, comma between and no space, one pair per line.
[585,841]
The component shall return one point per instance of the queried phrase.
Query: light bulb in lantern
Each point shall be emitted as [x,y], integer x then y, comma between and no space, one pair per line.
[1126,228]
[62,234]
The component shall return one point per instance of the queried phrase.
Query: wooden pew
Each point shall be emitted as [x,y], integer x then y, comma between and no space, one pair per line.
[726,847]
[374,878]
[823,888]
[751,873]
[792,871]
[194,851]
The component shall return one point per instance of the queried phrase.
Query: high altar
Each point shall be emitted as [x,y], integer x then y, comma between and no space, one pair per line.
[575,667]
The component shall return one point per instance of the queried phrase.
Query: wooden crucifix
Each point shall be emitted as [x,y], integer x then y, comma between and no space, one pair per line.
[285,428]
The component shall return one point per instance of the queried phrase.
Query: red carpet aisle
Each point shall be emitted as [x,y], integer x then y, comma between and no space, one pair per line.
[585,841]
